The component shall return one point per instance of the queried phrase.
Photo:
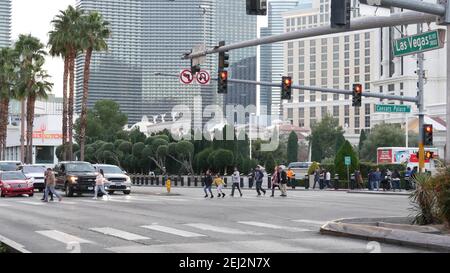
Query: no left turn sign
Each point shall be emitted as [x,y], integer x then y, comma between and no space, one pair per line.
[186,76]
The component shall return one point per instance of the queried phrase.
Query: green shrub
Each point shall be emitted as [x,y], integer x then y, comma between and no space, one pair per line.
[314,166]
[339,162]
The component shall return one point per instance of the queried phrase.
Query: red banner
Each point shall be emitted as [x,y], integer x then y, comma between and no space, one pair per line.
[384,156]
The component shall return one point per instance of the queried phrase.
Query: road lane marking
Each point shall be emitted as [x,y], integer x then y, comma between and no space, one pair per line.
[174,231]
[31,203]
[266,225]
[119,234]
[13,244]
[220,229]
[63,237]
[315,222]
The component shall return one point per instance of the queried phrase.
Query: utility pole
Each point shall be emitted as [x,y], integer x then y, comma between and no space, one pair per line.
[420,94]
[447,143]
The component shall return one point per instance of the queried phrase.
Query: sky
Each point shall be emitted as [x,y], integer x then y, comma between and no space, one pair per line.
[34,16]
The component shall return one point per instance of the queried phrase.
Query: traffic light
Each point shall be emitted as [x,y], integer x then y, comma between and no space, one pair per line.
[257,7]
[428,135]
[286,88]
[357,94]
[340,14]
[223,82]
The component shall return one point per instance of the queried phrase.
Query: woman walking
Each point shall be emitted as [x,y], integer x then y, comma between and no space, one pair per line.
[275,181]
[50,185]
[100,185]
[218,181]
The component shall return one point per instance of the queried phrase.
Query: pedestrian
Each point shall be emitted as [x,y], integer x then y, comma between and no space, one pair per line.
[322,179]
[358,179]
[45,185]
[396,180]
[50,185]
[316,177]
[408,178]
[208,184]
[328,179]
[283,181]
[259,175]
[218,181]
[100,184]
[377,179]
[236,179]
[275,181]
[291,178]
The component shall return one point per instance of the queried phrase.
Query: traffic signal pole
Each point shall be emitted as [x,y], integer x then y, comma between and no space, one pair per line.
[420,104]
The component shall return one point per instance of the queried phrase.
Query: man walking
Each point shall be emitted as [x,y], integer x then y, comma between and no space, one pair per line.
[283,181]
[208,184]
[316,177]
[50,186]
[259,175]
[236,179]
[377,179]
[328,179]
[45,185]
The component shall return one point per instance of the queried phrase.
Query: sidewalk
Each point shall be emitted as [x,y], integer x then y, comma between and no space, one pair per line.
[402,193]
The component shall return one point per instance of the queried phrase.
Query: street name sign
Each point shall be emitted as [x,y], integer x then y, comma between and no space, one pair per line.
[422,42]
[391,108]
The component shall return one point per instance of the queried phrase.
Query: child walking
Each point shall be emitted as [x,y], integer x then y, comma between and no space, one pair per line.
[218,181]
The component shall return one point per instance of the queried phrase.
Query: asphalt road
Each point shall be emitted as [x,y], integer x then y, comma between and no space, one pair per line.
[147,221]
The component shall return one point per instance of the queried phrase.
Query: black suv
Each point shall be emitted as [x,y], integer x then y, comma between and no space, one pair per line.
[75,177]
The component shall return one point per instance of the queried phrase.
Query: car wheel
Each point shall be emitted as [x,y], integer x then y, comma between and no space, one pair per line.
[126,192]
[68,191]
[31,195]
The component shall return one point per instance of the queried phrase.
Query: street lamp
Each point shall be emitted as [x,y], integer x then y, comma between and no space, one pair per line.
[250,132]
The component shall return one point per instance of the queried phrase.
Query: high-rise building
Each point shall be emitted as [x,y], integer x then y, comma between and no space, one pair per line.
[271,55]
[330,61]
[5,23]
[149,37]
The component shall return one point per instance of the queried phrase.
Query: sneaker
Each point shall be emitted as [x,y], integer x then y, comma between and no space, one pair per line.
[272,195]
[95,198]
[212,196]
[223,195]
[241,194]
[259,195]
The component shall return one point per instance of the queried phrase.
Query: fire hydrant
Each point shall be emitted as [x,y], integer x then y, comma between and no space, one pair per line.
[168,185]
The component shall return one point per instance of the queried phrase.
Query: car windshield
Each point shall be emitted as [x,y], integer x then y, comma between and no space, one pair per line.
[8,166]
[79,167]
[33,169]
[13,176]
[110,169]
[299,165]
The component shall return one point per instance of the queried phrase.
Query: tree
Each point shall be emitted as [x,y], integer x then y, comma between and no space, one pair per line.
[137,136]
[223,159]
[32,84]
[362,138]
[292,147]
[270,165]
[64,41]
[339,161]
[183,153]
[384,135]
[93,36]
[9,62]
[325,137]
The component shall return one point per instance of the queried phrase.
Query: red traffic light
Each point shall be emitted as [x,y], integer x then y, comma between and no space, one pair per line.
[357,88]
[429,129]
[223,75]
[287,82]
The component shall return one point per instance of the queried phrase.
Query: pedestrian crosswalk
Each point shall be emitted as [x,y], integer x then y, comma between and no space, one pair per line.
[174,231]
[63,237]
[220,229]
[120,234]
[266,225]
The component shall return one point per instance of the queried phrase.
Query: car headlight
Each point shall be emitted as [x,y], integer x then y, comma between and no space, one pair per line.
[73,179]
[128,180]
[6,185]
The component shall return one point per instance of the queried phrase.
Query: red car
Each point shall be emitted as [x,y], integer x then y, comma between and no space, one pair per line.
[14,184]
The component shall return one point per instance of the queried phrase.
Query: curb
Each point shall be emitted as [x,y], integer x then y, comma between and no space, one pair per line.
[361,229]
[380,193]
[11,246]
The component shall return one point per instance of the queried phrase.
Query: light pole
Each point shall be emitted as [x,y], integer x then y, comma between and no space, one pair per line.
[250,132]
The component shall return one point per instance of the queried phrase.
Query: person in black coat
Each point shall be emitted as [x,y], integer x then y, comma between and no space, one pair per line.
[208,184]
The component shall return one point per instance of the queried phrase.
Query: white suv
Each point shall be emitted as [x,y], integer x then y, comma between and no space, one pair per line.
[117,180]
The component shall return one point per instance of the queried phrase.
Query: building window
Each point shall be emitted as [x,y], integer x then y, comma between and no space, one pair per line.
[367,122]
[324,97]
[312,112]
[367,109]
[336,111]
[347,110]
[357,122]
[324,111]
[301,112]
[290,113]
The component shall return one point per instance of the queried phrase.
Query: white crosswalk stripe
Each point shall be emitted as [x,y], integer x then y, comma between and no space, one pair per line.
[5,205]
[226,230]
[266,225]
[174,231]
[31,203]
[314,222]
[120,234]
[63,237]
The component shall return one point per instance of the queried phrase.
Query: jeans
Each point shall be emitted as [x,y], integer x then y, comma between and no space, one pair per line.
[315,182]
[396,184]
[52,190]
[259,188]
[328,184]
[207,188]
[101,188]
[235,185]
[375,184]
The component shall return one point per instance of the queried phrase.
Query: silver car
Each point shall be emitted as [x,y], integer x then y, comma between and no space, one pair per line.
[117,180]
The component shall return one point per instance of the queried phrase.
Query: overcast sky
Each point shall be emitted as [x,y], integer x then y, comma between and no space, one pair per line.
[34,16]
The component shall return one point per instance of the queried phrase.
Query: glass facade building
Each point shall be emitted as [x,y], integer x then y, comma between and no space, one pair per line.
[5,23]
[149,37]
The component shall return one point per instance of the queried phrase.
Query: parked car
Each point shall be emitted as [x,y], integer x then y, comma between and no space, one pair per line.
[9,166]
[117,180]
[300,169]
[15,183]
[36,174]
[75,177]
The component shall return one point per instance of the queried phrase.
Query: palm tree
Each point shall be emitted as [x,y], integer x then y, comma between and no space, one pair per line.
[93,37]
[31,54]
[64,42]
[9,63]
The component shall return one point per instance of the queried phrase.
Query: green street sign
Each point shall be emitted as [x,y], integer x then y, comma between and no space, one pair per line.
[391,108]
[348,161]
[419,43]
